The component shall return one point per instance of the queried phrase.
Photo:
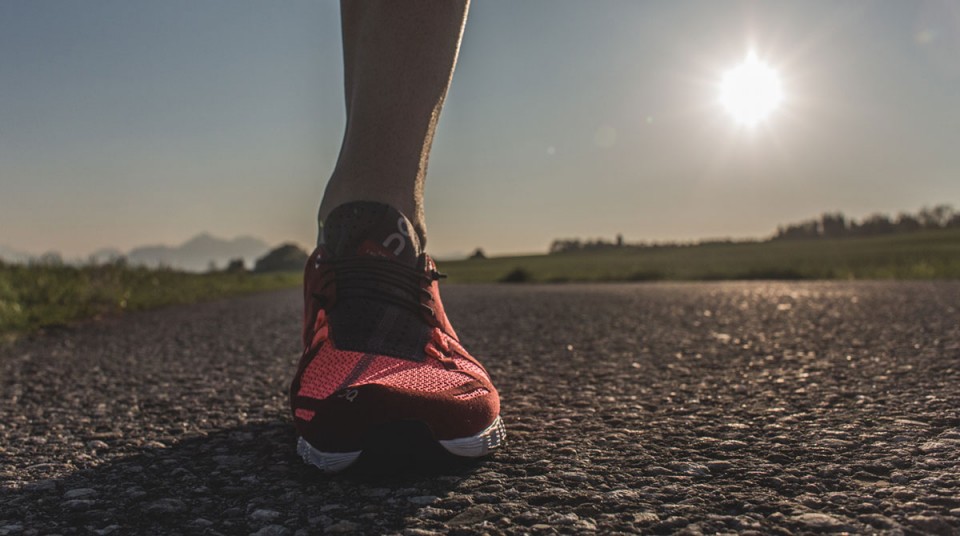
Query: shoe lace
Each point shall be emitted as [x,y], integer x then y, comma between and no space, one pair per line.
[382,280]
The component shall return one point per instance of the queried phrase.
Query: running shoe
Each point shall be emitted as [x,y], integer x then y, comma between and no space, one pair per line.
[378,348]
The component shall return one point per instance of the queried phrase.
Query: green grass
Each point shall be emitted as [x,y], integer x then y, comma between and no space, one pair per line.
[37,296]
[923,255]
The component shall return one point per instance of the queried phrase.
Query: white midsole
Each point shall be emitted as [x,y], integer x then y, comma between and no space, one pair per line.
[491,438]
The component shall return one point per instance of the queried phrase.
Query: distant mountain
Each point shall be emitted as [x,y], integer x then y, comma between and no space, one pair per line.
[197,253]
[8,254]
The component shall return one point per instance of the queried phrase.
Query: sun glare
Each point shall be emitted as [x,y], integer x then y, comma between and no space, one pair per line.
[750,91]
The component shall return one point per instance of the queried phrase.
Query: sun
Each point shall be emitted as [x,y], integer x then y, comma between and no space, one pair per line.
[751,91]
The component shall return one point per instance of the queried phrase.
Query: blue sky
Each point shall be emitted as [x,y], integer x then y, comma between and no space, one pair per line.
[125,123]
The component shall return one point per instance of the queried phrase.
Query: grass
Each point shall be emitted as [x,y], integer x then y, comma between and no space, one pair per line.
[37,296]
[922,255]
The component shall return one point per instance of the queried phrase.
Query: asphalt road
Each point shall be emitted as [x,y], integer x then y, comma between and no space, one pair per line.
[765,408]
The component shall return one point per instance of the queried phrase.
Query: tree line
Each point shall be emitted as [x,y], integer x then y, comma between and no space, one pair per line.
[836,225]
[828,225]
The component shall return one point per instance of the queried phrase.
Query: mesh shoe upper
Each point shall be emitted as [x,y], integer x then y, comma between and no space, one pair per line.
[378,347]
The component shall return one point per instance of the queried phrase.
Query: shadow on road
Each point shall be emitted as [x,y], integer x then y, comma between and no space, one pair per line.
[231,481]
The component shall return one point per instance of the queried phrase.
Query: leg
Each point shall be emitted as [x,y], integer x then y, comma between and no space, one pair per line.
[379,351]
[398,62]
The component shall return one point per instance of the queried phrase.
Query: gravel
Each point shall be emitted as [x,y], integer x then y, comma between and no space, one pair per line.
[755,408]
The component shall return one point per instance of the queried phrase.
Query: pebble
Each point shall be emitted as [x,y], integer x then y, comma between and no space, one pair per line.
[423,500]
[78,504]
[264,515]
[96,444]
[272,530]
[472,515]
[343,527]
[165,506]
[643,518]
[878,521]
[822,522]
[80,493]
[931,525]
[419,532]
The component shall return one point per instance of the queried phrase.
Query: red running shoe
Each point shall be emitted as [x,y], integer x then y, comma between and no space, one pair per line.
[379,349]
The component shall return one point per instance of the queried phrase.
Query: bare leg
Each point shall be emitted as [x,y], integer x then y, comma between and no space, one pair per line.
[398,61]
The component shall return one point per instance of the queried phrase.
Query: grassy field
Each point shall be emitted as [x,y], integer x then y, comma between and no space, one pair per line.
[924,255]
[38,296]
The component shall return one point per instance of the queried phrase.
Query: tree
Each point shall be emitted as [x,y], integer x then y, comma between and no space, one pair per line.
[236,266]
[876,224]
[907,223]
[285,258]
[833,225]
[936,217]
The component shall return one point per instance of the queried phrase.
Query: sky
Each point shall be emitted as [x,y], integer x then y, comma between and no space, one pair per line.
[124,123]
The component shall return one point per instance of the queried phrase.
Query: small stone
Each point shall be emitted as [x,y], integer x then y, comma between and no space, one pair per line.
[585,525]
[622,495]
[264,515]
[563,519]
[822,522]
[419,532]
[574,476]
[879,521]
[642,518]
[10,530]
[201,522]
[321,520]
[272,530]
[96,444]
[80,493]
[165,506]
[691,469]
[78,504]
[472,515]
[718,466]
[931,524]
[423,500]
[228,460]
[343,527]
[670,524]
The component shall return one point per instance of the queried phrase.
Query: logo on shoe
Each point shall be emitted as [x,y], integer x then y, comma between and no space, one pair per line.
[400,237]
[349,394]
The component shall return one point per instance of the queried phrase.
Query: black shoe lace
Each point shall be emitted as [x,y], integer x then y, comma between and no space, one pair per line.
[382,280]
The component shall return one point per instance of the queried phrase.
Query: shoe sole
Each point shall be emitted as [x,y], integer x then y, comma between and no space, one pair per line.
[475,446]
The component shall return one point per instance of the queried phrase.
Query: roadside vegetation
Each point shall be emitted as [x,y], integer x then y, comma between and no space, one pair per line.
[933,254]
[47,292]
[39,295]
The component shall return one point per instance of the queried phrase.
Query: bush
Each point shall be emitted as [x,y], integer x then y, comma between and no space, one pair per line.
[517,275]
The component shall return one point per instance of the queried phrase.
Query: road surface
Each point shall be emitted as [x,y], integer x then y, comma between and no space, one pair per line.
[764,408]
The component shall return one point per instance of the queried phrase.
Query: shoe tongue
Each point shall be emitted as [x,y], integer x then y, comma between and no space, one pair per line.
[366,228]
